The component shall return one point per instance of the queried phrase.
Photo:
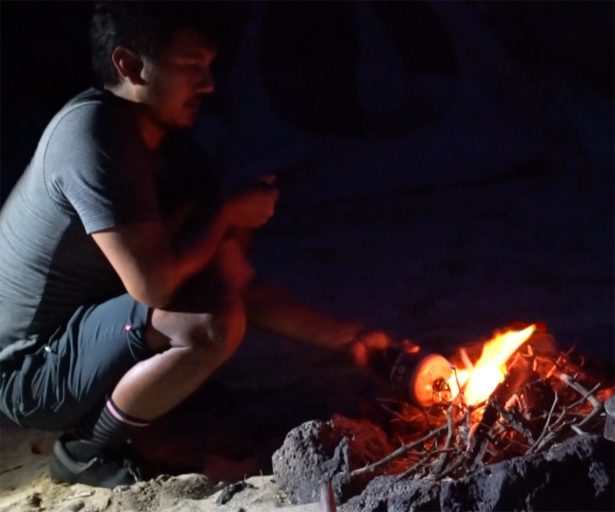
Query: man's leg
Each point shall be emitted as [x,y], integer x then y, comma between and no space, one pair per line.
[193,345]
[189,346]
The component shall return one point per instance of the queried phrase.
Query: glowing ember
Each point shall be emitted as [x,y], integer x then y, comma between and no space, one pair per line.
[479,381]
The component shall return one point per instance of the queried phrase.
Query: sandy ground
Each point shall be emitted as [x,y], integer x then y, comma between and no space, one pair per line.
[25,486]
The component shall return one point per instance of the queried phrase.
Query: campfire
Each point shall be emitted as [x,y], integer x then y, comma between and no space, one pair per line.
[513,397]
[518,397]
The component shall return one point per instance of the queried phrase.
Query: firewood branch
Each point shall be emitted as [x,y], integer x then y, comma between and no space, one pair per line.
[421,462]
[400,451]
[447,444]
[582,390]
[534,447]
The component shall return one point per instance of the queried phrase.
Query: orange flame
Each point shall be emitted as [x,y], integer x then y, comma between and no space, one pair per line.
[479,381]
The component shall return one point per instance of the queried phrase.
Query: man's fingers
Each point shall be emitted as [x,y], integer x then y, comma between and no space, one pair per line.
[360,354]
[409,347]
[376,340]
[274,194]
[268,179]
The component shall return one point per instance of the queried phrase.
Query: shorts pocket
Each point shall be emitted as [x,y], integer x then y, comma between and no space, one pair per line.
[41,394]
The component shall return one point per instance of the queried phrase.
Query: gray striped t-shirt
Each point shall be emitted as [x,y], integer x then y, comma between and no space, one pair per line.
[90,171]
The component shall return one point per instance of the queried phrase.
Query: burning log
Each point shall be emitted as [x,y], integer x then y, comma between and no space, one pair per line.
[481,437]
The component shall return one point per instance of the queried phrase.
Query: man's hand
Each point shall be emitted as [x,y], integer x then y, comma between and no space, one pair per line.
[368,342]
[252,208]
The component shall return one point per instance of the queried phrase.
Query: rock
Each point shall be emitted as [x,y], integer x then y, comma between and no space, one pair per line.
[35,500]
[574,475]
[192,486]
[386,493]
[310,454]
[230,490]
[609,424]
[317,451]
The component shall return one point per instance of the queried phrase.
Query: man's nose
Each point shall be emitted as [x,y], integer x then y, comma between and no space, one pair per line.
[206,84]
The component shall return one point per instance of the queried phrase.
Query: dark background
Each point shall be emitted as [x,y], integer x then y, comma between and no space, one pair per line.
[446,169]
[307,60]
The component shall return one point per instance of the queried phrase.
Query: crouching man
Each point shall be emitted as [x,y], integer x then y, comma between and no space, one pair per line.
[123,277]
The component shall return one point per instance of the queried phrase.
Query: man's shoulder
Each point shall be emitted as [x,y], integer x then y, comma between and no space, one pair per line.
[91,100]
[92,119]
[93,112]
[93,94]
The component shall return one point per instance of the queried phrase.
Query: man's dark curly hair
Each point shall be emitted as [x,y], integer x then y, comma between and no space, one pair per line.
[147,28]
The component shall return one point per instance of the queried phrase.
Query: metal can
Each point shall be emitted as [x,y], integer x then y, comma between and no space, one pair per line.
[421,378]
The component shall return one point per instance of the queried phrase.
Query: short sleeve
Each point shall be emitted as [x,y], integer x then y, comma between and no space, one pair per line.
[97,164]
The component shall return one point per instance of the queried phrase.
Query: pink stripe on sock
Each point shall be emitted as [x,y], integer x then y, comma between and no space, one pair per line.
[116,413]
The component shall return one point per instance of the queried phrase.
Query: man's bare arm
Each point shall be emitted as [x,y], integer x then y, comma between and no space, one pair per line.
[152,268]
[273,309]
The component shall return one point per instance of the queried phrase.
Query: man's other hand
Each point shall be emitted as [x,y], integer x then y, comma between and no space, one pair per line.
[252,208]
[369,342]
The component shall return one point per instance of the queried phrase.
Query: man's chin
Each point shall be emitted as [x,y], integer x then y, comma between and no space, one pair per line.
[190,118]
[184,123]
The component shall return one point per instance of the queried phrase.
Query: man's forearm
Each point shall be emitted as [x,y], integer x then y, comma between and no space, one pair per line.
[195,253]
[273,309]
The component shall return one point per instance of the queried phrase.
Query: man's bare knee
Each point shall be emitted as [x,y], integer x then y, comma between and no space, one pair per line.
[219,332]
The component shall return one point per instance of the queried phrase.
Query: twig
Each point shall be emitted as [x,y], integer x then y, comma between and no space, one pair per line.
[453,467]
[578,430]
[561,423]
[417,464]
[579,388]
[400,451]
[461,395]
[590,417]
[586,394]
[542,435]
[397,415]
[447,444]
[514,422]
[584,397]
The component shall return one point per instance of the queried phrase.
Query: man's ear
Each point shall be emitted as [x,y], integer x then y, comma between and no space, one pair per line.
[128,65]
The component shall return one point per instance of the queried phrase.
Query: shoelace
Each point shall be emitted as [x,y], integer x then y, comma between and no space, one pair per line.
[133,470]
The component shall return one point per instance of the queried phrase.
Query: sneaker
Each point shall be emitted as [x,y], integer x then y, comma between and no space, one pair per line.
[99,471]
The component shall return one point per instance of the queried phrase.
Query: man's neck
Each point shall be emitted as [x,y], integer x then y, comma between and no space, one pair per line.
[151,131]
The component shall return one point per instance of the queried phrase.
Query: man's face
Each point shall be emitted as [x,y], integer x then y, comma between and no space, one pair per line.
[178,80]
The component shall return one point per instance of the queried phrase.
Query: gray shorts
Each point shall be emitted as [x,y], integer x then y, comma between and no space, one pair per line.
[80,364]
